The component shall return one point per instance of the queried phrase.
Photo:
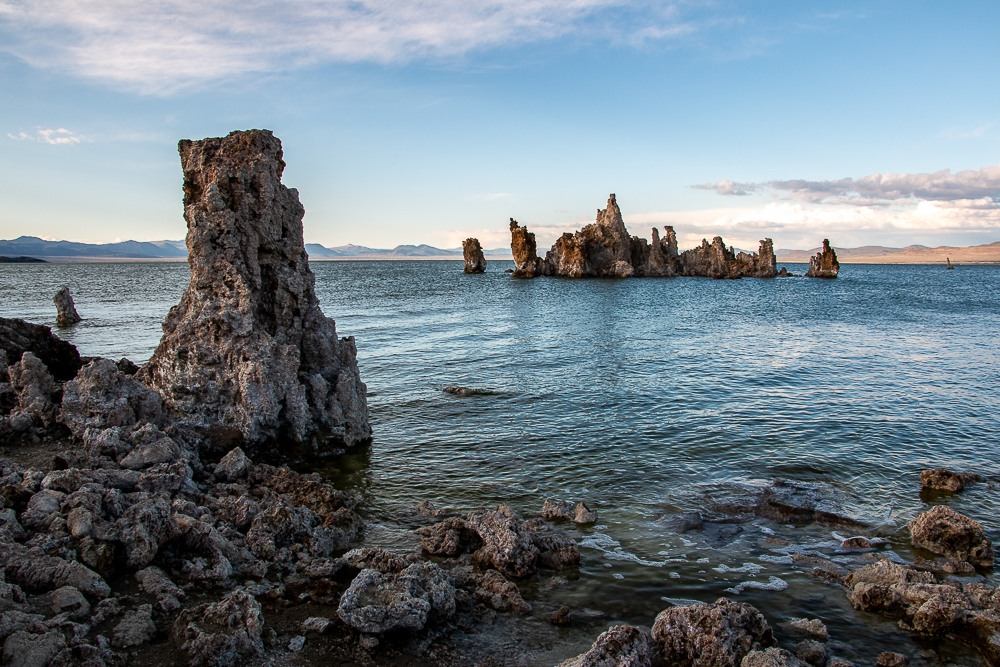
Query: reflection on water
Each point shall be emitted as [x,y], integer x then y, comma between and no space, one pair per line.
[646,398]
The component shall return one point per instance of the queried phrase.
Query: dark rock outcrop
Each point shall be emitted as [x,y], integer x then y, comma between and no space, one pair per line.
[720,634]
[940,479]
[944,531]
[60,357]
[605,249]
[247,356]
[66,315]
[824,264]
[475,262]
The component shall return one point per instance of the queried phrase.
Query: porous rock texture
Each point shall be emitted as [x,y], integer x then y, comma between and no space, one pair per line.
[772,657]
[619,646]
[247,356]
[66,315]
[18,337]
[944,531]
[940,479]
[720,634]
[605,249]
[928,607]
[475,262]
[824,264]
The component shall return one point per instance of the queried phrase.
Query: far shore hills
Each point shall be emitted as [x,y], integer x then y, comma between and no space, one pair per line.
[161,251]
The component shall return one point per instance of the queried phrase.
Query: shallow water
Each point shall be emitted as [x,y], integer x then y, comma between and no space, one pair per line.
[643,397]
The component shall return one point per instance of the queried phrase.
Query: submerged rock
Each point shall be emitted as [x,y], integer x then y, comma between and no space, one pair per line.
[605,249]
[619,646]
[507,546]
[824,264]
[475,262]
[66,315]
[944,531]
[720,634]
[247,356]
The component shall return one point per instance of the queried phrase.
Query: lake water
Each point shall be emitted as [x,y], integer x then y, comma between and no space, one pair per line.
[645,398]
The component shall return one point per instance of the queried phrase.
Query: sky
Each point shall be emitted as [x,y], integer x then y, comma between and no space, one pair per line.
[868,123]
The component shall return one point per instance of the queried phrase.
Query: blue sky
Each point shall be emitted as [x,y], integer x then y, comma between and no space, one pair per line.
[429,122]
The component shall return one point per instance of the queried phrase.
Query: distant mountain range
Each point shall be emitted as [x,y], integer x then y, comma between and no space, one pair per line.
[31,246]
[912,254]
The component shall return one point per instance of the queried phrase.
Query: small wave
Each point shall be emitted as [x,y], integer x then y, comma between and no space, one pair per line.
[773,584]
[612,549]
[680,602]
[746,568]
[777,560]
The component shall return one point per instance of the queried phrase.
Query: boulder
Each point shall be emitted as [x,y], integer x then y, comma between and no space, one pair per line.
[475,262]
[494,591]
[376,558]
[824,264]
[66,315]
[135,628]
[144,527]
[233,465]
[720,634]
[944,531]
[23,649]
[69,600]
[811,652]
[222,633]
[619,646]
[247,356]
[772,657]
[814,627]
[448,538]
[556,550]
[940,479]
[36,389]
[36,572]
[60,357]
[507,546]
[887,659]
[376,602]
[102,397]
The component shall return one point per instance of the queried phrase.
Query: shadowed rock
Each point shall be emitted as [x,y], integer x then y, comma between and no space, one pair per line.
[711,635]
[66,315]
[60,357]
[940,479]
[944,531]
[620,646]
[247,356]
[824,264]
[605,249]
[475,262]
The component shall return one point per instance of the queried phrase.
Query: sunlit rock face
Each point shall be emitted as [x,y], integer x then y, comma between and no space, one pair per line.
[247,356]
[824,264]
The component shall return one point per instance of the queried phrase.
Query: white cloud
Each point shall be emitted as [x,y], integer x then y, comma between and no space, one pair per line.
[159,47]
[881,189]
[59,137]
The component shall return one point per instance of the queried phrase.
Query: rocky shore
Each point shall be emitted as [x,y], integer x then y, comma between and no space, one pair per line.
[149,515]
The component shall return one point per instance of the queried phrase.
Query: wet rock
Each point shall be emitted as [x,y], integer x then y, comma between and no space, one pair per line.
[790,502]
[619,646]
[888,659]
[475,262]
[247,355]
[233,465]
[144,527]
[448,538]
[940,479]
[507,546]
[135,628]
[824,264]
[682,522]
[711,635]
[812,652]
[944,531]
[583,514]
[70,601]
[222,633]
[557,509]
[944,566]
[493,590]
[561,617]
[856,544]
[814,627]
[377,602]
[839,662]
[23,649]
[426,508]
[66,315]
[772,657]
[60,357]
[102,397]
[556,550]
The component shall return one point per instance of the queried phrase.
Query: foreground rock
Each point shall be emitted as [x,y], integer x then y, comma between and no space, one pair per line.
[605,249]
[620,646]
[824,264]
[66,315]
[928,607]
[944,531]
[378,602]
[247,356]
[720,634]
[475,262]
[18,337]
